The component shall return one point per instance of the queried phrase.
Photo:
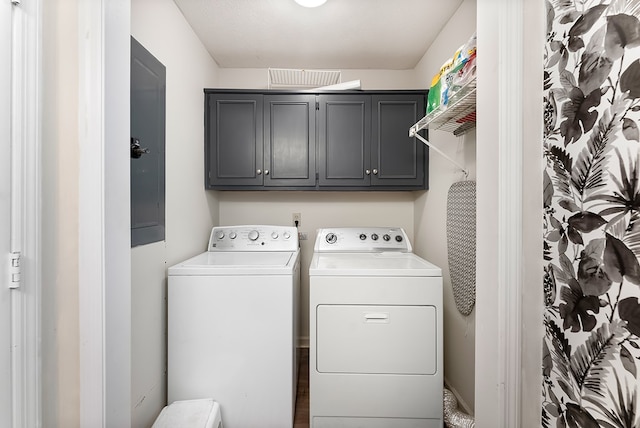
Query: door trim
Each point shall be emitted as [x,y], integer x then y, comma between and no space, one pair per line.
[499,175]
[509,300]
[104,213]
[25,217]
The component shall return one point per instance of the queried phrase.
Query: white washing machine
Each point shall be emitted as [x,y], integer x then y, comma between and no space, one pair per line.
[232,325]
[375,355]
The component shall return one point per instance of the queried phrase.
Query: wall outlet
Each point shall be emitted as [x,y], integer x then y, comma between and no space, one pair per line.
[297,219]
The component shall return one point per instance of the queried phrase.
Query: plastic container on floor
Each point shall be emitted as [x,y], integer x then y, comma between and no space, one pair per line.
[203,413]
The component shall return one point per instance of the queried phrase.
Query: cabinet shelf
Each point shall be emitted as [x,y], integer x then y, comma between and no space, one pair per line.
[458,116]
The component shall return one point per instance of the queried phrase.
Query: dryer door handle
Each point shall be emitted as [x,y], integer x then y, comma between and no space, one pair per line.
[381,317]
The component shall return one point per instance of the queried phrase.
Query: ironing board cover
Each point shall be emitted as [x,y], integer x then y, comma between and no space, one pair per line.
[461,243]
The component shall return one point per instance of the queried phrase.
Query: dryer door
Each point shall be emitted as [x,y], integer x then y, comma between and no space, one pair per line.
[376,339]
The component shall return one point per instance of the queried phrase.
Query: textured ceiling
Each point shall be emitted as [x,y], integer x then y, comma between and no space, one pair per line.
[341,34]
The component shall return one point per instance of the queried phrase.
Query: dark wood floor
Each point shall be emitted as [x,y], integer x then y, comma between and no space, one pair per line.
[301,419]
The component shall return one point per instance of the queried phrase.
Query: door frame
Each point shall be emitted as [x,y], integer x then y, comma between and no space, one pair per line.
[6,369]
[499,390]
[104,213]
[509,261]
[26,75]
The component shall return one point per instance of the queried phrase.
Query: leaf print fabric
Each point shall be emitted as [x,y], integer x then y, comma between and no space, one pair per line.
[591,214]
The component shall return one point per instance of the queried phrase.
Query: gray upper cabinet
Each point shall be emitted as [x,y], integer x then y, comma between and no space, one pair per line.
[344,140]
[397,159]
[234,140]
[289,140]
[364,141]
[355,140]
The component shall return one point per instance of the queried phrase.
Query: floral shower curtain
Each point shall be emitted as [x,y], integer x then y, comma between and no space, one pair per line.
[591,220]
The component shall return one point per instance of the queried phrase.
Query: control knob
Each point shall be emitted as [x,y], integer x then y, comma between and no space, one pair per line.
[274,235]
[253,235]
[363,236]
[398,238]
[331,238]
[386,237]
[233,235]
[220,234]
[374,236]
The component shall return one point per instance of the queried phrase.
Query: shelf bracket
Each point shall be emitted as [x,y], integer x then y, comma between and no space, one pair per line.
[440,152]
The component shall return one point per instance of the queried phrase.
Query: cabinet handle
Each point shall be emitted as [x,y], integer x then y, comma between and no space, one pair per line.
[259,171]
[375,171]
[266,172]
[366,171]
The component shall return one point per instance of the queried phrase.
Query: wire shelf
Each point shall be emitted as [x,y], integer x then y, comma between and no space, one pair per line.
[458,116]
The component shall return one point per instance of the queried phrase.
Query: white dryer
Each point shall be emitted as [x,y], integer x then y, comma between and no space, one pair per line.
[375,354]
[232,325]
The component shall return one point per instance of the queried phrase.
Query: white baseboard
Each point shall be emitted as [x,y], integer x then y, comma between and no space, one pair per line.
[303,342]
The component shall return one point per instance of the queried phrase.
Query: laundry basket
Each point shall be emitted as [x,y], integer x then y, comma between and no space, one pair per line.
[203,413]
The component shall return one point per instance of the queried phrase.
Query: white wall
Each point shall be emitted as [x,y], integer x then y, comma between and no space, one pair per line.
[430,208]
[317,209]
[72,69]
[257,78]
[190,211]
[60,328]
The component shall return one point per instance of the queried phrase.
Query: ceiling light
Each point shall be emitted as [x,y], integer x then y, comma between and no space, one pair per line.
[311,3]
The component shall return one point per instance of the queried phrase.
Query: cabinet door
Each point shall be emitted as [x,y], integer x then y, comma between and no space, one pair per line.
[289,140]
[344,140]
[233,140]
[397,159]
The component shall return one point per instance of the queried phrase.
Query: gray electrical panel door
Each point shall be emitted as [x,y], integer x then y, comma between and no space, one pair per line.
[396,158]
[233,140]
[148,89]
[290,140]
[344,140]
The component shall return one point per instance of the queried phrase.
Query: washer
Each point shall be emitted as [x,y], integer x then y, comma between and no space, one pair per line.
[232,325]
[375,356]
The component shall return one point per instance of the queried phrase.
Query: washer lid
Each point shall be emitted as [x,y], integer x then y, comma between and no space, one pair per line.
[372,264]
[237,263]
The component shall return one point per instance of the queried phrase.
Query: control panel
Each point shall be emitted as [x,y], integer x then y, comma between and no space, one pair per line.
[362,239]
[253,238]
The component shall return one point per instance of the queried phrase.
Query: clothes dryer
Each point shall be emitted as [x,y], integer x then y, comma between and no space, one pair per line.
[375,354]
[232,325]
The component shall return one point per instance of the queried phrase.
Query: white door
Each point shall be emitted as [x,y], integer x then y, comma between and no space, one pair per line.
[5,210]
